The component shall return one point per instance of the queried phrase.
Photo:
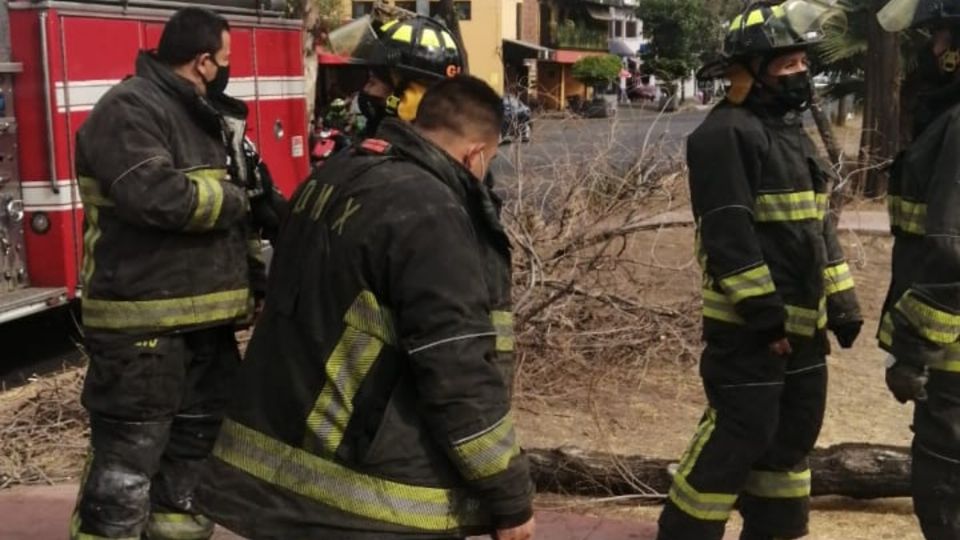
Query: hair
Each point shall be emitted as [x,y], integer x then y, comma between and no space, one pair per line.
[463,105]
[191,32]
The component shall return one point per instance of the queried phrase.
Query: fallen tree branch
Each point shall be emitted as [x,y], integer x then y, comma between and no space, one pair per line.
[858,470]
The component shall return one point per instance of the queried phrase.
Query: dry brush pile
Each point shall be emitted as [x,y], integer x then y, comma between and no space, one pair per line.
[580,277]
[43,431]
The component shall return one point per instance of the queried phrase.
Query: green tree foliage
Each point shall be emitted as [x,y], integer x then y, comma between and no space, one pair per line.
[597,70]
[680,32]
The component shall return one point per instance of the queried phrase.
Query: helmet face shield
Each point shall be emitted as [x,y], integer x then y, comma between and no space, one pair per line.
[807,17]
[358,41]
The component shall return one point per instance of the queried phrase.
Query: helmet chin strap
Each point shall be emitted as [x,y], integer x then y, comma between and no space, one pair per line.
[950,60]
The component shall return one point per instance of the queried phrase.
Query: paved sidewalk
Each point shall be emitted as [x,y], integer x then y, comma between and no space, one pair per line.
[42,513]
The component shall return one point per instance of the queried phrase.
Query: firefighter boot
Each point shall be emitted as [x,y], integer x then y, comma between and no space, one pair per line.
[174,515]
[936,499]
[114,499]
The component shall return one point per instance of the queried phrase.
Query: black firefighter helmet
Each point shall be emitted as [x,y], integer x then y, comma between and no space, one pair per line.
[899,15]
[418,47]
[766,29]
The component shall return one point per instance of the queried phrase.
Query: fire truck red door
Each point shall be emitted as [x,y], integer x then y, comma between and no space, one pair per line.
[281,105]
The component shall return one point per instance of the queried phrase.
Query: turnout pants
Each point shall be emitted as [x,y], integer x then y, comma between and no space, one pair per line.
[936,457]
[155,410]
[751,447]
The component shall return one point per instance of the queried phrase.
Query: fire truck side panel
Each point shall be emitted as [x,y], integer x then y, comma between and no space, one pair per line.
[282,109]
[52,257]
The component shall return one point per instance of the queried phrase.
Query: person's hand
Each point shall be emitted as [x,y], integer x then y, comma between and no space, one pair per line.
[907,382]
[847,333]
[522,532]
[781,347]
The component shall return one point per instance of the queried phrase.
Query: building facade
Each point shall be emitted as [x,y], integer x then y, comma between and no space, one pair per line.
[554,34]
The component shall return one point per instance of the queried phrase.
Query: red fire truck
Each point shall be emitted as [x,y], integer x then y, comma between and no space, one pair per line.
[62,57]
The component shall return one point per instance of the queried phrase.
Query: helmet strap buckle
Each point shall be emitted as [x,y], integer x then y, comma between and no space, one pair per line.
[393,104]
[950,61]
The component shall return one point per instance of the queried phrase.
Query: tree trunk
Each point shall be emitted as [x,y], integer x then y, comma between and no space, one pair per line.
[881,116]
[448,12]
[842,106]
[311,19]
[862,471]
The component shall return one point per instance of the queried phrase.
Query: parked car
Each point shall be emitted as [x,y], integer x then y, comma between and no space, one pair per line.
[517,120]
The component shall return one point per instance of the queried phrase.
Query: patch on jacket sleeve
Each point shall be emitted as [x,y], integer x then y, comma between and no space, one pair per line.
[375,146]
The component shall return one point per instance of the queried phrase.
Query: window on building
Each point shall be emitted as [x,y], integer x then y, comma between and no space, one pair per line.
[361,8]
[619,33]
[409,6]
[464,10]
[632,29]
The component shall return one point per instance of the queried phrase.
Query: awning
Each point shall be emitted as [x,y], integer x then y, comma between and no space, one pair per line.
[620,47]
[600,13]
[515,48]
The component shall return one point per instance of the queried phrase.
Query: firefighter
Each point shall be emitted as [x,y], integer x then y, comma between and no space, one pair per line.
[405,53]
[920,325]
[374,400]
[774,279]
[171,265]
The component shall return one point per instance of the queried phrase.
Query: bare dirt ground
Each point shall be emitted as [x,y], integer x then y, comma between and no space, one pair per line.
[652,411]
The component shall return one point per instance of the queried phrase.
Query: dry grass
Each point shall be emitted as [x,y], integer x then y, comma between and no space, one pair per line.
[43,431]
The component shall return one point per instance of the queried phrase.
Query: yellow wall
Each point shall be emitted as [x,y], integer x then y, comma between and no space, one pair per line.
[509,18]
[482,36]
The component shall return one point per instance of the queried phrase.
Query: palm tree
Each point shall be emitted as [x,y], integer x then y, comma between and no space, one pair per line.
[865,57]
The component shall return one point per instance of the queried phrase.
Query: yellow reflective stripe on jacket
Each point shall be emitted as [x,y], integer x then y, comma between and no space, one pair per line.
[489,452]
[800,321]
[885,335]
[933,324]
[503,325]
[797,206]
[337,486]
[90,193]
[91,235]
[368,328]
[170,526]
[908,216]
[754,282]
[779,485]
[166,313]
[837,278]
[718,306]
[823,204]
[804,321]
[950,361]
[209,198]
[703,506]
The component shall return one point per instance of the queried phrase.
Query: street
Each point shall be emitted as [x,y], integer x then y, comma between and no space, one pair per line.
[577,140]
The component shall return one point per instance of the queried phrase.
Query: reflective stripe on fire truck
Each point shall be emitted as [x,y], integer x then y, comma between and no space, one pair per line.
[39,197]
[165,313]
[83,95]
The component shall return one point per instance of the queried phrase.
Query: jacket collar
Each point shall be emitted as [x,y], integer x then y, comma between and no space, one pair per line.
[205,111]
[406,142]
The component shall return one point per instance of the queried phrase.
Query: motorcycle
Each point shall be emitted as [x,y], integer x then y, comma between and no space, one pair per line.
[326,143]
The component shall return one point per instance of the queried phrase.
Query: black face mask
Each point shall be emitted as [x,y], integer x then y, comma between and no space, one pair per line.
[795,91]
[374,109]
[217,86]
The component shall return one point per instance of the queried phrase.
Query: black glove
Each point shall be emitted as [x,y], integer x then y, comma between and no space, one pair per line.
[847,333]
[907,381]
